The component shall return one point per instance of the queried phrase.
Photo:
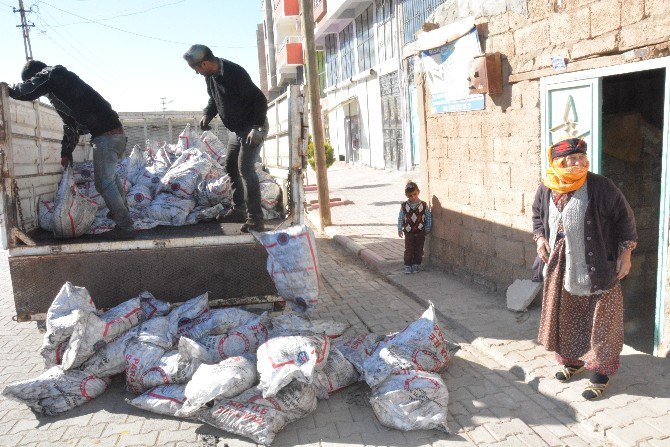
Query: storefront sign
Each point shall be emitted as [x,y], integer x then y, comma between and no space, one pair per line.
[446,69]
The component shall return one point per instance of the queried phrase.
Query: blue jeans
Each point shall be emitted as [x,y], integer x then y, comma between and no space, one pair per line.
[240,165]
[107,151]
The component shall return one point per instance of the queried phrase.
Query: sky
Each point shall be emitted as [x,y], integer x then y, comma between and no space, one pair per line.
[131,51]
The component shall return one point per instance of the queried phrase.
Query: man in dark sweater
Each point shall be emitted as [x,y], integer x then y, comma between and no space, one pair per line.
[243,109]
[83,111]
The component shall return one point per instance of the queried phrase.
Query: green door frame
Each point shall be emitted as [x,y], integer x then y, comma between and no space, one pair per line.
[596,75]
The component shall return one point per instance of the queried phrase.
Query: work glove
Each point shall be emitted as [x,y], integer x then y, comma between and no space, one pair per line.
[204,123]
[65,161]
[255,137]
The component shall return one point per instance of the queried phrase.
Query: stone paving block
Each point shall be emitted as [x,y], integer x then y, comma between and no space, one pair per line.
[25,425]
[660,442]
[139,440]
[355,440]
[503,430]
[177,435]
[327,432]
[480,435]
[286,438]
[39,435]
[75,432]
[128,428]
[156,424]
[384,438]
[11,439]
[322,419]
[532,440]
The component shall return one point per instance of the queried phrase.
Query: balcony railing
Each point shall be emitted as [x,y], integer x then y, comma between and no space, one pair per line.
[319,10]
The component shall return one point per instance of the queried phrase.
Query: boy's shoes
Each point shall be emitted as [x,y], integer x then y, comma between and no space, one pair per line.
[408,269]
[416,268]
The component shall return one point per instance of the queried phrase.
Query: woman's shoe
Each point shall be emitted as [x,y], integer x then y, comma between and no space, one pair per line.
[567,372]
[594,390]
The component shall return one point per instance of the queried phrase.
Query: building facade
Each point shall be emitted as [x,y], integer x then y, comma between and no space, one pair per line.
[595,69]
[368,99]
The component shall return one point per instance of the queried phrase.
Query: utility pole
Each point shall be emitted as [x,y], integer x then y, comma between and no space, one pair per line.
[164,103]
[26,30]
[315,111]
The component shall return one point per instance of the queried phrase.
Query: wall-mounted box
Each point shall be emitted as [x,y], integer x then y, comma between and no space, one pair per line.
[485,74]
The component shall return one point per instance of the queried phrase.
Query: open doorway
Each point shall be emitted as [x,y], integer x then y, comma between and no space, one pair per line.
[632,149]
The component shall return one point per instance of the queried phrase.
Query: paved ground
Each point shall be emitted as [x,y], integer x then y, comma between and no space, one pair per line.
[636,408]
[501,393]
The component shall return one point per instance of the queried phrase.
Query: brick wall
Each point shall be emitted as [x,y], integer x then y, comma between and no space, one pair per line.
[483,167]
[163,127]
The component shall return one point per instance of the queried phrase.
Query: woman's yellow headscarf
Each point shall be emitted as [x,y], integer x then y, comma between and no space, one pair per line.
[565,179]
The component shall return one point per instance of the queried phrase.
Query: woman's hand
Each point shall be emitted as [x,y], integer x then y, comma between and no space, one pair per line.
[543,249]
[623,264]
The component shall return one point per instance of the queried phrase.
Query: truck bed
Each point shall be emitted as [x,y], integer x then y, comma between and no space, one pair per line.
[201,229]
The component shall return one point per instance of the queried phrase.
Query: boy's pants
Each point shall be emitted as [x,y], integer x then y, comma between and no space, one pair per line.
[414,248]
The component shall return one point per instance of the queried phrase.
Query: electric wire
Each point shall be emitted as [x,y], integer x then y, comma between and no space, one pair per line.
[129,13]
[138,34]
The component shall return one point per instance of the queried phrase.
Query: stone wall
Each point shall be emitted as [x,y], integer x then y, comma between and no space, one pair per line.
[483,167]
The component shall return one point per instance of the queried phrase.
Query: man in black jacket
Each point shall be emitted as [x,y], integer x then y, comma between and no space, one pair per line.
[243,109]
[83,111]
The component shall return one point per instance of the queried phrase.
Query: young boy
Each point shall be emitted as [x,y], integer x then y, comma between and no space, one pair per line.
[414,223]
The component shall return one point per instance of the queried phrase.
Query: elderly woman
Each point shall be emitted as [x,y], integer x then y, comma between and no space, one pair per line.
[585,233]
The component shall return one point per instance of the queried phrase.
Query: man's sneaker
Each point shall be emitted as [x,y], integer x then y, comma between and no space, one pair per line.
[117,234]
[416,268]
[252,225]
[232,216]
[408,269]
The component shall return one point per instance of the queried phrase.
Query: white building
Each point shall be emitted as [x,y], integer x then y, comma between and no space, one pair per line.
[368,95]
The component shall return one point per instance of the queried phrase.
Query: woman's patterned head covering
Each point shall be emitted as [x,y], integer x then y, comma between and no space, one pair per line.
[568,147]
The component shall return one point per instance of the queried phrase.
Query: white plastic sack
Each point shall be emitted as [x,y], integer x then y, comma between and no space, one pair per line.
[140,356]
[101,224]
[164,399]
[214,147]
[188,139]
[83,172]
[176,366]
[88,190]
[359,348]
[45,210]
[139,196]
[56,391]
[286,358]
[337,374]
[227,378]
[137,162]
[260,419]
[187,312]
[187,171]
[201,214]
[412,400]
[215,191]
[168,209]
[74,213]
[270,195]
[238,341]
[152,307]
[93,332]
[421,346]
[293,265]
[61,320]
[291,322]
[215,322]
[110,360]
[156,331]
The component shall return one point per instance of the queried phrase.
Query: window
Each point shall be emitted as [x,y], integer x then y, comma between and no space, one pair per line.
[332,60]
[347,51]
[365,40]
[415,13]
[321,71]
[386,29]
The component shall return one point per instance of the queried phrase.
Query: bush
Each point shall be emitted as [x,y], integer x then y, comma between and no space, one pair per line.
[330,153]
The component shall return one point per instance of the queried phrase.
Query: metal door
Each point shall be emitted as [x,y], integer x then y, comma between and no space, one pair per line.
[391,121]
